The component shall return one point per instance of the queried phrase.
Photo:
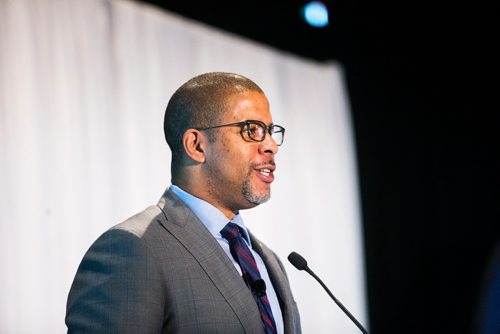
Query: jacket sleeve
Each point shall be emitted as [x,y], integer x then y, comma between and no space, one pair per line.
[116,288]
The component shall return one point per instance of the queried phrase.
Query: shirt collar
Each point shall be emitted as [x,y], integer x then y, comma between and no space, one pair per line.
[213,219]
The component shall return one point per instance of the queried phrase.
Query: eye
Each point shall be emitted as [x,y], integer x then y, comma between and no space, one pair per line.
[253,129]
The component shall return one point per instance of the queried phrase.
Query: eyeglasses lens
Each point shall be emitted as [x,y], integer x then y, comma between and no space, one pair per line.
[277,135]
[257,132]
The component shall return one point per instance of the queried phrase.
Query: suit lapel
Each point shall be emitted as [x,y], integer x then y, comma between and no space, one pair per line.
[183,224]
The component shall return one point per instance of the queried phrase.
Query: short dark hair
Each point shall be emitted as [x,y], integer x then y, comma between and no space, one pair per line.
[201,102]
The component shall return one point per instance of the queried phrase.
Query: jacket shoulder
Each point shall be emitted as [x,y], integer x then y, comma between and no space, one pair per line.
[142,222]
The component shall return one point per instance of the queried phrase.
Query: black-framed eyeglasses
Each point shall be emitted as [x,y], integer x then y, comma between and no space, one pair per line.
[255,130]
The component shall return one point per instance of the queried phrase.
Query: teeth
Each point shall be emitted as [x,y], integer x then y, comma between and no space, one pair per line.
[265,172]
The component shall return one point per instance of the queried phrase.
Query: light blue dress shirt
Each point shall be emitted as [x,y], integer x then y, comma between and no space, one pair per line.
[214,220]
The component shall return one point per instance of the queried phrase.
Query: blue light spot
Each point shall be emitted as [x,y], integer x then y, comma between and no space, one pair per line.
[316,14]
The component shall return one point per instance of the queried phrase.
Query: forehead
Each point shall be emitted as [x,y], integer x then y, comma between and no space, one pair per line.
[246,106]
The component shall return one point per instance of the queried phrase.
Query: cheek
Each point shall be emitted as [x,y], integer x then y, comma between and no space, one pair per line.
[235,157]
[238,164]
[235,151]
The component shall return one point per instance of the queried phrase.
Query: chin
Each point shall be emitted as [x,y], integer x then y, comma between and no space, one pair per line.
[256,197]
[255,193]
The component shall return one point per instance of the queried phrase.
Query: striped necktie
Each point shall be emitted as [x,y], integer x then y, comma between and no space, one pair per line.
[251,275]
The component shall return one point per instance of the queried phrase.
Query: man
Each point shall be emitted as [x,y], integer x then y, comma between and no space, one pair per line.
[188,264]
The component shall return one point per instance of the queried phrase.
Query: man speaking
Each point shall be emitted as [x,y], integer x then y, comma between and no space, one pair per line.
[189,264]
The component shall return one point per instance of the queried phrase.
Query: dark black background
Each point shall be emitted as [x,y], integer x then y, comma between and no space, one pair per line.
[423,83]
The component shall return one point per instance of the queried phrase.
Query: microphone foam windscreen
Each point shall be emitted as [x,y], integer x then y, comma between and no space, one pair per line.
[297,260]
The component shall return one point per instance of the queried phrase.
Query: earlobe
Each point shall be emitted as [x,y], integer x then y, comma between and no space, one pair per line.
[193,141]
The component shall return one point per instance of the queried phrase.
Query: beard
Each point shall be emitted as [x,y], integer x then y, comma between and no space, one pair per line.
[226,192]
[251,194]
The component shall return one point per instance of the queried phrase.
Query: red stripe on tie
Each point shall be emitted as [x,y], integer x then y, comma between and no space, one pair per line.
[267,320]
[247,256]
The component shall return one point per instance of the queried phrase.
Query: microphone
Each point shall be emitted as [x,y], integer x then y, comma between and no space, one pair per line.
[301,264]
[259,287]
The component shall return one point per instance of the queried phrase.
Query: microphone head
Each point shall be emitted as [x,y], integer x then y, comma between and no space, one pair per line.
[259,287]
[297,260]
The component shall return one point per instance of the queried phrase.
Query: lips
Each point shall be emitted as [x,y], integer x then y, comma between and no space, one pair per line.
[265,172]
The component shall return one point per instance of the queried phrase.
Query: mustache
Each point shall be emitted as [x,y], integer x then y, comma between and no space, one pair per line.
[259,165]
[262,164]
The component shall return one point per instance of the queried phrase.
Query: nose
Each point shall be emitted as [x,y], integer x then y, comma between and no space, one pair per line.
[268,145]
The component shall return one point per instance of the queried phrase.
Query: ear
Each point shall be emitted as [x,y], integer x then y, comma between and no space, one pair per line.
[194,145]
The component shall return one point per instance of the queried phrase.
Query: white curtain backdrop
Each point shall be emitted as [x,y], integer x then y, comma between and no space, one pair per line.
[83,88]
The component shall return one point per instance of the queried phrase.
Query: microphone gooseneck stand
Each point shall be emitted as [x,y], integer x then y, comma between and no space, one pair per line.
[301,264]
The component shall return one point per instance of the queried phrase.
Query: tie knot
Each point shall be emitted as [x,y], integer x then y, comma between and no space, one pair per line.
[230,231]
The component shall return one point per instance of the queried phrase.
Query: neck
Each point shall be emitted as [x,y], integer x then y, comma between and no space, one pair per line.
[193,186]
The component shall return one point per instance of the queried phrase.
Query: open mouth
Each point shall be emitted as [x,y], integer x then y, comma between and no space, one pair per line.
[265,171]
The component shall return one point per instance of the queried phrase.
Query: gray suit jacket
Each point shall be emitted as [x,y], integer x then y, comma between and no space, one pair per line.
[161,271]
